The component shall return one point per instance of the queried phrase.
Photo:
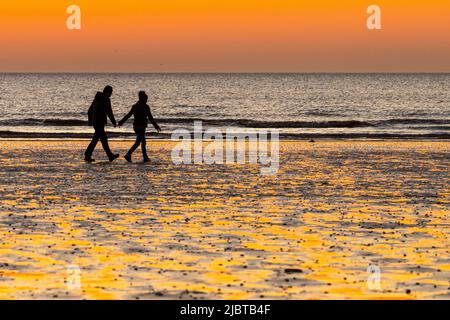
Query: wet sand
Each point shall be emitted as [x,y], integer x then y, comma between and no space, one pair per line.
[164,231]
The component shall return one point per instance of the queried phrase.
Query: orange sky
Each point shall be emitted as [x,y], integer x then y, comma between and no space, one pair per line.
[224,36]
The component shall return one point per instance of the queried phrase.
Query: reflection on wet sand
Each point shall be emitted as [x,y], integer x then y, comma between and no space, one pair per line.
[160,231]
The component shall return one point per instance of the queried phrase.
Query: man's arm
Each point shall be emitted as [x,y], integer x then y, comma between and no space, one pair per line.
[110,113]
[150,117]
[129,114]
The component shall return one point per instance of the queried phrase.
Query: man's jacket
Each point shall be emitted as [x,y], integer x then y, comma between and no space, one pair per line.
[99,110]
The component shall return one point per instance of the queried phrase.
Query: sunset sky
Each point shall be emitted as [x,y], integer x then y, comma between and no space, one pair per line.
[224,36]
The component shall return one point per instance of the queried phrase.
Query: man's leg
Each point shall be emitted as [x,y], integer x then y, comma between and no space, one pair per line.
[91,147]
[101,133]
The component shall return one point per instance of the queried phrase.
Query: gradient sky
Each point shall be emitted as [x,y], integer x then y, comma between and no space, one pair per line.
[224,36]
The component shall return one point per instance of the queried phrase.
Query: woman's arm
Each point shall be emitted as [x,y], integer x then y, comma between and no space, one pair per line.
[150,117]
[121,122]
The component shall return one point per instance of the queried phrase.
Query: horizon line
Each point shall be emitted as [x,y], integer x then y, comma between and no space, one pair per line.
[224,72]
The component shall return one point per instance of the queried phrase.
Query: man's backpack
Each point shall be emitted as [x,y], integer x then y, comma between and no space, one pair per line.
[91,114]
[91,110]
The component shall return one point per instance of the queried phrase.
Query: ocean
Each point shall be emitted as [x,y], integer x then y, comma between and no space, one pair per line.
[412,106]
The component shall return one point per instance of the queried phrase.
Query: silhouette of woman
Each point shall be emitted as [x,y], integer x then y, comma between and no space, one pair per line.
[142,114]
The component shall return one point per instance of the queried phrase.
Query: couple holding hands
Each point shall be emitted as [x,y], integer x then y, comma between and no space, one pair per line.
[101,109]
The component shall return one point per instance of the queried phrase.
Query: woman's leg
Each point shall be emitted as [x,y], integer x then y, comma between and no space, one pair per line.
[134,147]
[144,145]
[137,142]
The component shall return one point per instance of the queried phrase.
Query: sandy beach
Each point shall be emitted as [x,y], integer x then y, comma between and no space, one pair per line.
[165,231]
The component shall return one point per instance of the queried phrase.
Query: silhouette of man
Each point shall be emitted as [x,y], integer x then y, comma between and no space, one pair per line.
[98,112]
